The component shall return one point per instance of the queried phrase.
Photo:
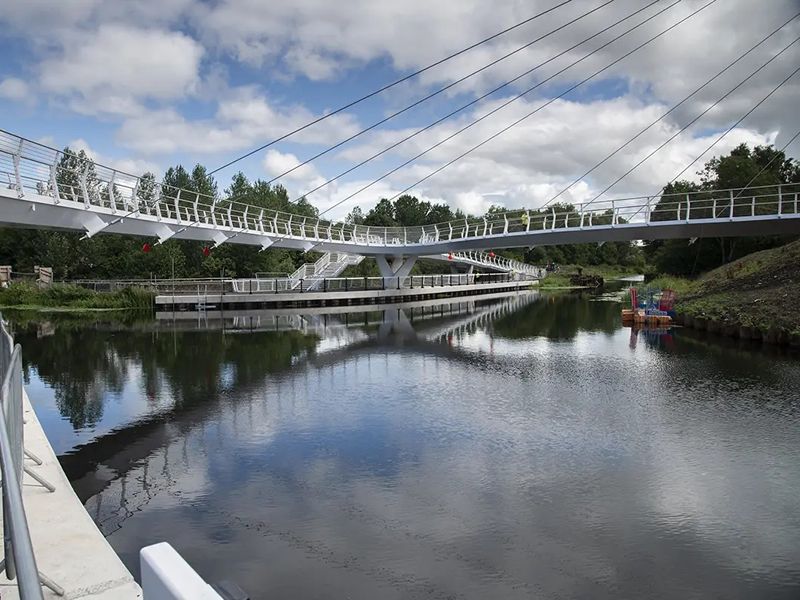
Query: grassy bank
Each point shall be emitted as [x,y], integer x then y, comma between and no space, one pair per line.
[66,297]
[561,279]
[759,291]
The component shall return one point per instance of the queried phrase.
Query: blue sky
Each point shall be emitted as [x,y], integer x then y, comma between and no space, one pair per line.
[143,85]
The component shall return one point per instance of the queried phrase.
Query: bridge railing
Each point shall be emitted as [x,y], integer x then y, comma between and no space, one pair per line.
[31,168]
[485,259]
[179,285]
[19,561]
[352,284]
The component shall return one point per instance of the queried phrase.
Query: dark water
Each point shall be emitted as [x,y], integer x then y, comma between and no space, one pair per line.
[520,448]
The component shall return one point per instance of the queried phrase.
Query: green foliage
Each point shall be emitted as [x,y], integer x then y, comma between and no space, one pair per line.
[757,290]
[108,256]
[65,295]
[679,285]
[408,211]
[737,169]
[27,295]
[18,294]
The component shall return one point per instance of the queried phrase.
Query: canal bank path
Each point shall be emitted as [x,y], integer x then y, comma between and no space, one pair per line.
[69,548]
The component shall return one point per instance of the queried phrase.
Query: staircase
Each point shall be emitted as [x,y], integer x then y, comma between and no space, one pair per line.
[332,267]
[309,275]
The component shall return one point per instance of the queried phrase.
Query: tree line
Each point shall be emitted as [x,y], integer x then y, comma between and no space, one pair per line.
[118,256]
[763,167]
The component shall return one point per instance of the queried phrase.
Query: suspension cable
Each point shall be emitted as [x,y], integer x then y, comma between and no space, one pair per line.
[698,117]
[472,102]
[670,111]
[561,95]
[447,87]
[390,85]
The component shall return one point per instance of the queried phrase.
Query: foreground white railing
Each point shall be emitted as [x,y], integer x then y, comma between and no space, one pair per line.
[18,561]
[39,172]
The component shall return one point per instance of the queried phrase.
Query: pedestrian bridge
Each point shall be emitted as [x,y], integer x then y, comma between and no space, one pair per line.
[42,192]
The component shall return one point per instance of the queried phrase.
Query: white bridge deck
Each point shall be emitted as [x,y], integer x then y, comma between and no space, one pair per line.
[99,199]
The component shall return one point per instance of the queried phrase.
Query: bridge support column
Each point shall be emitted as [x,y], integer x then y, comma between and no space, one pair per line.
[400,266]
[454,270]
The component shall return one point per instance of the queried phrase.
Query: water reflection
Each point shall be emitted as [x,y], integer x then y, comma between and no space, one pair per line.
[516,447]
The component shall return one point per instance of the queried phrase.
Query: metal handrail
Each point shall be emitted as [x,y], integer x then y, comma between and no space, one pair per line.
[19,561]
[352,284]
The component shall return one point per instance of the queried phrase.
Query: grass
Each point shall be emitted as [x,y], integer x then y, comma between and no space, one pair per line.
[72,297]
[679,285]
[561,280]
[759,290]
[555,281]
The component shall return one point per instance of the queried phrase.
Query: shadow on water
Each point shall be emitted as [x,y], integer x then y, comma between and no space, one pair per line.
[509,447]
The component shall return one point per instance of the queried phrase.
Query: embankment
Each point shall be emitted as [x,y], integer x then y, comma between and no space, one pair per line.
[68,297]
[755,297]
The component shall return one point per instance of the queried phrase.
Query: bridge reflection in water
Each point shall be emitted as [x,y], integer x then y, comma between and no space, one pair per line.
[184,384]
[502,448]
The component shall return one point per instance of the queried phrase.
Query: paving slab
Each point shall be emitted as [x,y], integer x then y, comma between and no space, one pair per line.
[69,548]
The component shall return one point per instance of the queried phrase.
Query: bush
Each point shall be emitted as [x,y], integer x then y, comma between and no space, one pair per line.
[134,297]
[18,294]
[73,296]
[65,294]
[679,285]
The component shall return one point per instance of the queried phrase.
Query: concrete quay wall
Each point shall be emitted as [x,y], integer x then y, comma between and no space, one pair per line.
[69,547]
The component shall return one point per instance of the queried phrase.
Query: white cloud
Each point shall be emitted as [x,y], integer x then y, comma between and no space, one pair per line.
[12,88]
[158,72]
[51,20]
[132,166]
[118,65]
[243,119]
[533,161]
[277,163]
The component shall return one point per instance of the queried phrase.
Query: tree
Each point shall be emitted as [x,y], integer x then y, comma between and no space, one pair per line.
[203,183]
[441,213]
[146,192]
[355,217]
[409,211]
[763,166]
[382,215]
[304,207]
[69,171]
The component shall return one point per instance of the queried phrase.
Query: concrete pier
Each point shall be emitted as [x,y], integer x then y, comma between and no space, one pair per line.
[69,548]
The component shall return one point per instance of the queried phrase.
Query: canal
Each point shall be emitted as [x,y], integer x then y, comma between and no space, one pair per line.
[518,447]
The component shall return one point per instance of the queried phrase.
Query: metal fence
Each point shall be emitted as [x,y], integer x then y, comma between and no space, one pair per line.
[187,285]
[351,284]
[19,561]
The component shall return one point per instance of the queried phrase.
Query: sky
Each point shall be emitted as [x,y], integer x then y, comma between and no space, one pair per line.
[142,85]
